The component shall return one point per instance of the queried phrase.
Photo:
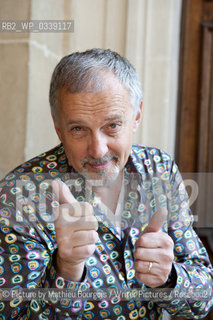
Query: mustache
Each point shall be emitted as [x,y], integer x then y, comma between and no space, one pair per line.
[106,158]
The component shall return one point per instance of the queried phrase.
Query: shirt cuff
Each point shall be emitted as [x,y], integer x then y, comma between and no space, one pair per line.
[64,295]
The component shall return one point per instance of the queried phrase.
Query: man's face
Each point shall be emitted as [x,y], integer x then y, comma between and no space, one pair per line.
[96,130]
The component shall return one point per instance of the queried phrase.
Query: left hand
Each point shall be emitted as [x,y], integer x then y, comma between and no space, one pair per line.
[154,252]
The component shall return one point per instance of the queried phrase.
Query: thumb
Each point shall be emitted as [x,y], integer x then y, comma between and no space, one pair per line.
[157,220]
[63,192]
[71,210]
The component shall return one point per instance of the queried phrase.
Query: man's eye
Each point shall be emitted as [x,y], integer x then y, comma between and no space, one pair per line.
[77,129]
[114,125]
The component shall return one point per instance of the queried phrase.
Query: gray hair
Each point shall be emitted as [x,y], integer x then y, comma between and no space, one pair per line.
[85,71]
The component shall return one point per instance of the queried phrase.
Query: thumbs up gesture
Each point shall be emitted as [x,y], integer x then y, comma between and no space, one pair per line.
[76,234]
[154,252]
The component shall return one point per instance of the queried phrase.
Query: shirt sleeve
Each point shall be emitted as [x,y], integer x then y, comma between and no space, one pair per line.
[26,267]
[192,294]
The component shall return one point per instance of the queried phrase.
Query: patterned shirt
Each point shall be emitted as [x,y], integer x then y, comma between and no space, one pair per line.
[30,288]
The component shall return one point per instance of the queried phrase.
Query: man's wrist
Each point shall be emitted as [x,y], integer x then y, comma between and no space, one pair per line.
[68,270]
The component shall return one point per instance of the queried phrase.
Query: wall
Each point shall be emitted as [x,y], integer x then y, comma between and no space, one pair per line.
[145,31]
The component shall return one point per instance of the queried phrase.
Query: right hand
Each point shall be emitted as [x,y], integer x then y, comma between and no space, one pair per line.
[76,234]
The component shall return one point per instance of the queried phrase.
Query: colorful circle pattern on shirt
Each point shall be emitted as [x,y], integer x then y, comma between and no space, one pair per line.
[28,241]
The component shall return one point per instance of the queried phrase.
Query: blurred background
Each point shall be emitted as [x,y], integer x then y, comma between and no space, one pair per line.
[170,43]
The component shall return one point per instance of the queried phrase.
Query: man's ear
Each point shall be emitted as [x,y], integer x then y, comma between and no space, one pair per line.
[57,128]
[138,117]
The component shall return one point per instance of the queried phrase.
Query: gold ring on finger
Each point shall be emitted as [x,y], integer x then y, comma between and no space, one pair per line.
[150,267]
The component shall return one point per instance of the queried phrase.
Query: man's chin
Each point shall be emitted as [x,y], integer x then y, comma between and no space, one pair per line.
[102,178]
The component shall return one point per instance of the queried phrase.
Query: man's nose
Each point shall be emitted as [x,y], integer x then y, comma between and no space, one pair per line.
[97,146]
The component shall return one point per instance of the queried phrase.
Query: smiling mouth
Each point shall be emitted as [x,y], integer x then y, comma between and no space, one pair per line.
[101,164]
[99,167]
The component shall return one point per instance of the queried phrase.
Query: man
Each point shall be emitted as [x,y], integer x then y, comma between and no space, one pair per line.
[97,228]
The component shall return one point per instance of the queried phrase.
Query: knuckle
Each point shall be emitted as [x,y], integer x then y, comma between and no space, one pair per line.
[167,241]
[90,219]
[137,255]
[90,249]
[88,207]
[165,271]
[167,260]
[93,236]
[142,242]
[137,265]
[93,222]
[96,224]
[65,253]
[172,243]
[171,257]
[163,279]
[141,239]
[139,276]
[137,243]
[96,236]
[147,238]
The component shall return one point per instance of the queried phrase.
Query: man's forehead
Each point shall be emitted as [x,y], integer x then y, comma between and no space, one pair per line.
[102,118]
[101,106]
[98,82]
[112,93]
[78,107]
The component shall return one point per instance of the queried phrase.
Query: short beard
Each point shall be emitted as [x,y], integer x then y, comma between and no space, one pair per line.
[103,178]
